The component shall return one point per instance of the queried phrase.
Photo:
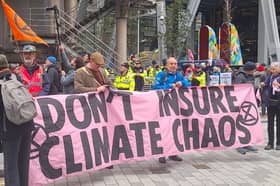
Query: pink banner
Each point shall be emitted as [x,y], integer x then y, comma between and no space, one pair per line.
[86,132]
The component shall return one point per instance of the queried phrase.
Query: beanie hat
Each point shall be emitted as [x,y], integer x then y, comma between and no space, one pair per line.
[260,68]
[249,66]
[3,62]
[52,59]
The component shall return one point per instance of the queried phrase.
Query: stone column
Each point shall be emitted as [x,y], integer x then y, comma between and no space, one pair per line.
[121,29]
[262,37]
[70,7]
[270,34]
[161,29]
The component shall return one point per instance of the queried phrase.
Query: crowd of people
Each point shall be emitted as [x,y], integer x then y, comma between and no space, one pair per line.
[81,75]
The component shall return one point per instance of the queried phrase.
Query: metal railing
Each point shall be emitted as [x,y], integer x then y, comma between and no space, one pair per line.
[83,38]
[74,35]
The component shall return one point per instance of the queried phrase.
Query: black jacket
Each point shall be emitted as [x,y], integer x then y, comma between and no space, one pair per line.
[8,130]
[53,79]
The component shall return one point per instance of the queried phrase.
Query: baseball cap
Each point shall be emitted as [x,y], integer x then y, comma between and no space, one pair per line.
[29,48]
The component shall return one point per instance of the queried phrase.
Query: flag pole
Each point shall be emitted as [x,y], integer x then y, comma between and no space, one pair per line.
[56,16]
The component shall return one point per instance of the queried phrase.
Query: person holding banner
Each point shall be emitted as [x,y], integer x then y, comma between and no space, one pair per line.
[16,139]
[170,78]
[246,76]
[91,77]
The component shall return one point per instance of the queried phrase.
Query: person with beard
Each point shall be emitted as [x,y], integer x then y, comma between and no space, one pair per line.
[139,76]
[32,74]
[15,139]
[170,78]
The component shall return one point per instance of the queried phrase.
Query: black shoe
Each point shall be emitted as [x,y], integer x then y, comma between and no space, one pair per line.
[277,147]
[110,167]
[175,158]
[162,160]
[268,147]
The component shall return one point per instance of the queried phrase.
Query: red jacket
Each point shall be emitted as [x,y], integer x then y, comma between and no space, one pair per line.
[34,82]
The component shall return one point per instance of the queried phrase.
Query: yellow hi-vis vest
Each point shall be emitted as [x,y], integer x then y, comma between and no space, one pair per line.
[125,82]
[152,74]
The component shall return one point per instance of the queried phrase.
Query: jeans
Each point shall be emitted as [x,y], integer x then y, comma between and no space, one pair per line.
[16,160]
[272,112]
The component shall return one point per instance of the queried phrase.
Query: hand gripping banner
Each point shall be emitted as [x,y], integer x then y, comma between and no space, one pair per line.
[87,132]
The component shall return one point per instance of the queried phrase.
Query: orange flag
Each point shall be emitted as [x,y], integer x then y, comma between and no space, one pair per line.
[21,31]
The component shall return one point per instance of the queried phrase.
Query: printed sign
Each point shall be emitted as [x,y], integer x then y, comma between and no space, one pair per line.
[214,80]
[226,78]
[86,132]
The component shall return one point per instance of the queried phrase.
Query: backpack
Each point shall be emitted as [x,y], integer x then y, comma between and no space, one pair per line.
[166,74]
[18,102]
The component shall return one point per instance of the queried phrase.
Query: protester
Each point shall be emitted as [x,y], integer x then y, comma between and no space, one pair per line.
[273,110]
[86,57]
[168,79]
[91,77]
[53,76]
[125,80]
[33,76]
[246,76]
[16,140]
[260,76]
[189,71]
[68,74]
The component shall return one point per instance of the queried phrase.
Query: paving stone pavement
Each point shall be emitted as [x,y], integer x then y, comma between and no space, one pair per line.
[219,168]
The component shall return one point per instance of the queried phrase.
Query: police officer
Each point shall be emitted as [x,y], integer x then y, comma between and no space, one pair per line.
[139,76]
[125,80]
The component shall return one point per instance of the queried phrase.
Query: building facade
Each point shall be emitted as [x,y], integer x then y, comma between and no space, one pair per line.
[257,21]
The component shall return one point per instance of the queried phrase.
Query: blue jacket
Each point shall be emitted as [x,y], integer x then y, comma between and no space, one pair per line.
[67,81]
[66,63]
[164,80]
